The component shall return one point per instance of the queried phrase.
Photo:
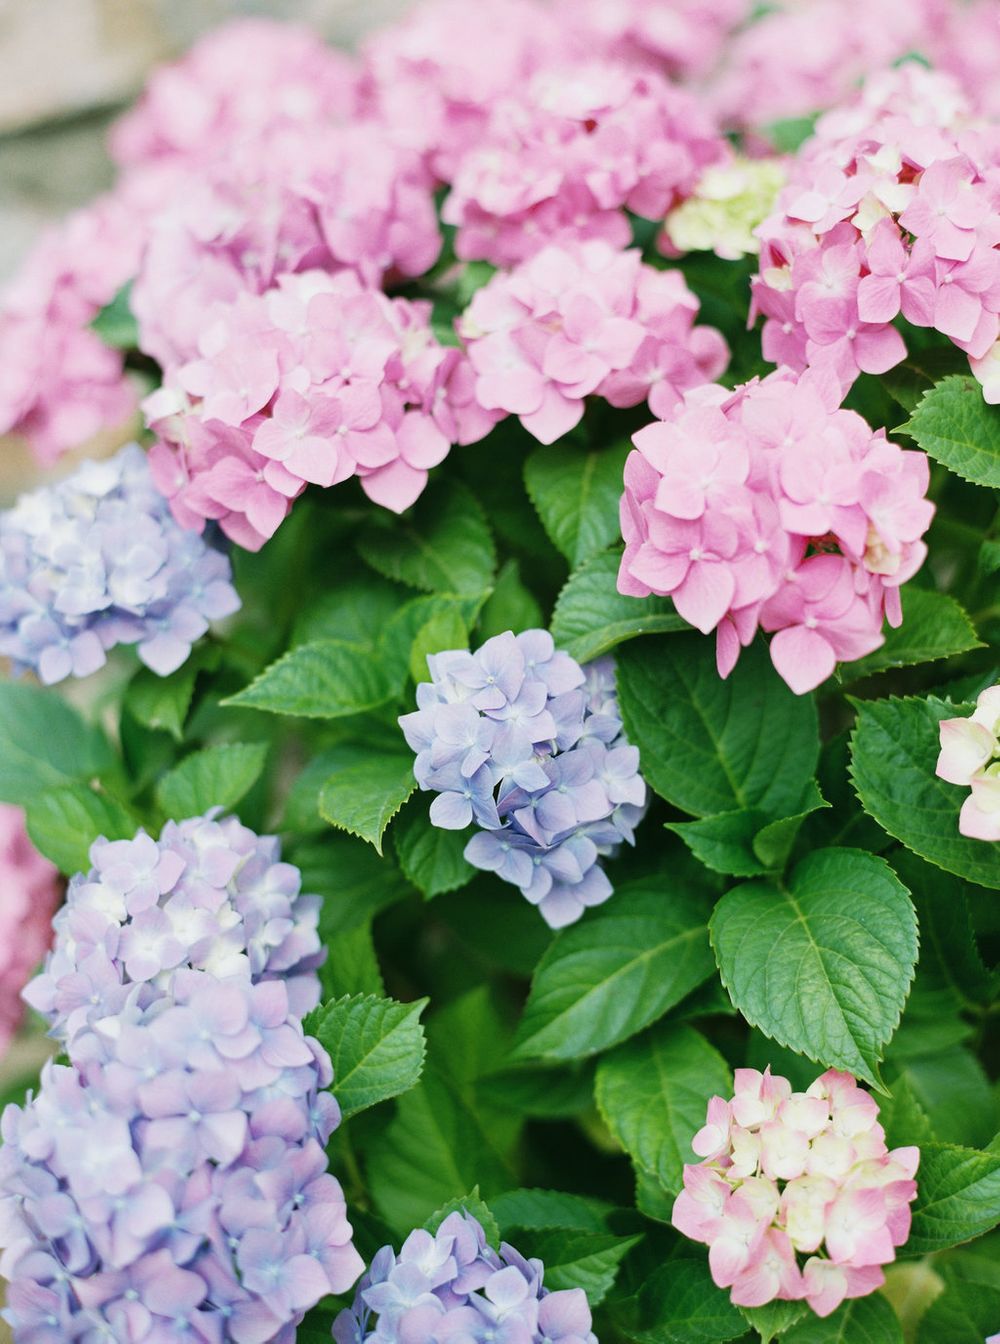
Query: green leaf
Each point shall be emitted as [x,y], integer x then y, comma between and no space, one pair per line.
[587,1260]
[576,495]
[351,965]
[431,857]
[790,133]
[824,964]
[894,748]
[328,679]
[396,642]
[958,1198]
[708,745]
[955,1094]
[652,1092]
[615,972]
[443,544]
[475,1206]
[547,1092]
[510,606]
[934,626]
[64,822]
[537,1210]
[965,1313]
[377,1047]
[162,703]
[591,616]
[773,843]
[902,1117]
[354,882]
[444,631]
[215,777]
[724,842]
[46,744]
[950,960]
[919,371]
[115,324]
[354,610]
[954,425]
[651,1199]
[679,1304]
[864,1320]
[774,1319]
[363,798]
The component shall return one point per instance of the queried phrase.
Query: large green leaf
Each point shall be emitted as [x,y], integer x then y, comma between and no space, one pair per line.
[934,626]
[653,1091]
[587,1260]
[958,1197]
[540,1209]
[893,752]
[679,1304]
[864,1320]
[354,882]
[576,494]
[44,744]
[709,745]
[822,965]
[615,972]
[363,798]
[511,606]
[954,425]
[966,1312]
[214,777]
[327,679]
[950,959]
[63,823]
[163,702]
[430,856]
[591,616]
[353,609]
[443,544]
[376,1045]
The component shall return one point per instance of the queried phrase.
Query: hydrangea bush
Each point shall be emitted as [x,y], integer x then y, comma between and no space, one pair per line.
[512,853]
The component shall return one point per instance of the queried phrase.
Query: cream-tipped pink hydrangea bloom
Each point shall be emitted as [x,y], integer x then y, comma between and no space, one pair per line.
[29,894]
[970,755]
[797,1196]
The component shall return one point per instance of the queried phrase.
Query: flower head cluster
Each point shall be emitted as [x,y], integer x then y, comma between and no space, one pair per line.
[29,893]
[725,208]
[585,319]
[520,739]
[771,507]
[970,755]
[684,39]
[787,1174]
[563,158]
[452,1285]
[893,208]
[96,560]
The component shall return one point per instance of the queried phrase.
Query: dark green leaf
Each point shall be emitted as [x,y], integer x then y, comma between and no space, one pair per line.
[46,744]
[934,626]
[954,425]
[958,1198]
[328,679]
[362,799]
[376,1045]
[431,857]
[587,1260]
[576,494]
[591,616]
[864,1320]
[537,1210]
[443,544]
[473,1205]
[679,1304]
[510,606]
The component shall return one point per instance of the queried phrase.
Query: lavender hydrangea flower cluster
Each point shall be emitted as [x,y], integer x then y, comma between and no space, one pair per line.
[521,739]
[97,560]
[170,1183]
[452,1285]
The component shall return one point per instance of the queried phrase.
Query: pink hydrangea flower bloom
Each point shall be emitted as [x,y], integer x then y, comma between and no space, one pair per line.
[30,893]
[970,756]
[797,1196]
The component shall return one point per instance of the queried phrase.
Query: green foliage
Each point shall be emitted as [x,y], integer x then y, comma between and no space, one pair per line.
[327,679]
[116,324]
[953,424]
[376,1047]
[679,1304]
[934,626]
[591,617]
[363,798]
[63,823]
[432,858]
[46,744]
[865,1320]
[958,1197]
[576,494]
[214,777]
[443,544]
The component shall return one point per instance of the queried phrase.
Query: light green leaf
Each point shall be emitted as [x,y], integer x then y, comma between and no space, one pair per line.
[934,626]
[615,972]
[64,822]
[351,965]
[774,1319]
[473,1205]
[576,495]
[773,843]
[958,1198]
[894,748]
[431,857]
[162,703]
[215,777]
[328,679]
[363,798]
[444,631]
[353,610]
[591,616]
[709,745]
[46,744]
[824,964]
[864,1320]
[679,1304]
[443,544]
[652,1092]
[955,426]
[511,606]
[537,1210]
[115,324]
[377,1047]
[395,646]
[587,1260]
[724,842]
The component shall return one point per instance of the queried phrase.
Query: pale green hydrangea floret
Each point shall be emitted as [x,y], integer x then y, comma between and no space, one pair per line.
[729,202]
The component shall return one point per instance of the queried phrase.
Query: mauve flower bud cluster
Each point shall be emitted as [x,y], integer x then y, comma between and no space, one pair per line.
[520,739]
[171,1181]
[892,208]
[790,1174]
[970,755]
[584,319]
[96,560]
[772,508]
[315,381]
[562,158]
[29,894]
[452,1285]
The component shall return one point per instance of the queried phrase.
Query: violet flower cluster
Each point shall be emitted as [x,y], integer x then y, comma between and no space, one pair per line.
[970,756]
[520,739]
[452,1285]
[316,380]
[790,1174]
[892,208]
[585,319]
[770,507]
[96,560]
[29,894]
[170,1182]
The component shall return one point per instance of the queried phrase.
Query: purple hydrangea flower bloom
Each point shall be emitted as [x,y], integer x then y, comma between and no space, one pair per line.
[520,739]
[452,1285]
[97,560]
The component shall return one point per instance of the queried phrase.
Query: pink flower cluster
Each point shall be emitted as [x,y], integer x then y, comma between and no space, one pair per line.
[585,319]
[683,38]
[315,381]
[970,755]
[892,208]
[771,507]
[29,894]
[564,157]
[787,1174]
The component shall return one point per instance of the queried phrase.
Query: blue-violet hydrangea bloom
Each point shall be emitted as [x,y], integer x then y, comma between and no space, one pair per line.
[522,740]
[97,560]
[452,1285]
